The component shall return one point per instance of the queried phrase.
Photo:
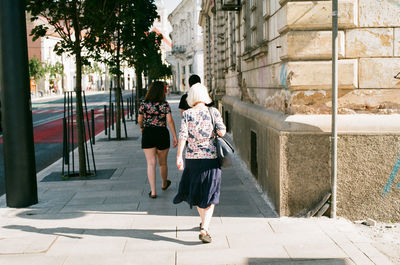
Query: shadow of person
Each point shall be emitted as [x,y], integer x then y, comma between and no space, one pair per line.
[77,233]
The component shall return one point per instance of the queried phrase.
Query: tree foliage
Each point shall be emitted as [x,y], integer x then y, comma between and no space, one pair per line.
[153,64]
[36,69]
[55,70]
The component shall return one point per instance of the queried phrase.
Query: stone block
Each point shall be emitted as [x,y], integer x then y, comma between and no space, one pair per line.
[318,74]
[275,48]
[371,42]
[375,13]
[316,15]
[262,77]
[274,6]
[379,72]
[305,45]
[397,42]
[273,26]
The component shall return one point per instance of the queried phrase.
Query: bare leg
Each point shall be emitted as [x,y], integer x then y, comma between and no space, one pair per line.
[208,213]
[201,213]
[162,161]
[151,159]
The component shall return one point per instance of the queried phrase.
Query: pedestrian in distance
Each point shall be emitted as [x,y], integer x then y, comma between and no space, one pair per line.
[183,105]
[200,183]
[154,115]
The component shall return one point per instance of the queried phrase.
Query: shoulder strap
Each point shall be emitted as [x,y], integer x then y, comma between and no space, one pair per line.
[212,119]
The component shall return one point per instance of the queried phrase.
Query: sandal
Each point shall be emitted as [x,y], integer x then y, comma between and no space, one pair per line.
[152,196]
[168,184]
[204,236]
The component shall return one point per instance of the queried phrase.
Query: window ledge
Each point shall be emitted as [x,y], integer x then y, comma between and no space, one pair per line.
[254,52]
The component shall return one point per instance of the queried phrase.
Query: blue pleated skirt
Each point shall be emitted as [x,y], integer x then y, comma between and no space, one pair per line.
[200,183]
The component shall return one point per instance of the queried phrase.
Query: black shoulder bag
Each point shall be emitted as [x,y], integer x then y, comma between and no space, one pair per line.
[224,148]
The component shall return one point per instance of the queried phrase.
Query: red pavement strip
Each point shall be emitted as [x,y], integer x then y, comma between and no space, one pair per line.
[52,132]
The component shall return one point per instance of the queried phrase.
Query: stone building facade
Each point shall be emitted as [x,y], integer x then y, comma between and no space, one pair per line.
[268,63]
[187,49]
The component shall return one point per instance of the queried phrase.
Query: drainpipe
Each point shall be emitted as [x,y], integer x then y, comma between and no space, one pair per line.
[334,105]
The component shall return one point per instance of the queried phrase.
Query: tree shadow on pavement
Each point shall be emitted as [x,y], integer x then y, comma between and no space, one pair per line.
[74,233]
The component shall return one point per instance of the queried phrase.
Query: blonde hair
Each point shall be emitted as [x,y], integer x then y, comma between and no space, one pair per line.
[198,93]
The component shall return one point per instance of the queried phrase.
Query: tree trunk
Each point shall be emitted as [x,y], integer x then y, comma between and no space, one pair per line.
[78,91]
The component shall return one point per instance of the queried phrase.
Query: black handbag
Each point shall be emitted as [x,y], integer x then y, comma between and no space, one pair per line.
[224,148]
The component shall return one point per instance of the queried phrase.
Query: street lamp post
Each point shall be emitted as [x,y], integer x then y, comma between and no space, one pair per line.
[334,105]
[19,155]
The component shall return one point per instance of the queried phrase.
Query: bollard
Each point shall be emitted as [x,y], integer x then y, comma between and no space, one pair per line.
[132,107]
[65,143]
[105,119]
[93,134]
[128,107]
[112,116]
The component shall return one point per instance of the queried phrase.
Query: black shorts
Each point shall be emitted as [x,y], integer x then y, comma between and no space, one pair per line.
[157,137]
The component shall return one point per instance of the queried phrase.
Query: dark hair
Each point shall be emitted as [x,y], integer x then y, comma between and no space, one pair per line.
[194,79]
[156,92]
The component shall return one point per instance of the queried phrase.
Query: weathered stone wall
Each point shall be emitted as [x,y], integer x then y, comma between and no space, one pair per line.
[366,163]
[294,159]
[294,75]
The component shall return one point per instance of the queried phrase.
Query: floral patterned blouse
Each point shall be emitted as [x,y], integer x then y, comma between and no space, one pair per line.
[154,114]
[197,130]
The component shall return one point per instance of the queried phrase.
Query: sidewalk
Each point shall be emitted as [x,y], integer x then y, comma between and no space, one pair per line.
[113,221]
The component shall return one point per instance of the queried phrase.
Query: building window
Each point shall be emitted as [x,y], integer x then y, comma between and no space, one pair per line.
[265,13]
[265,9]
[191,68]
[233,39]
[253,154]
[253,23]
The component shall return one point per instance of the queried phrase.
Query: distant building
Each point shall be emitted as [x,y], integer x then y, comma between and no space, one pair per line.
[160,26]
[43,50]
[96,77]
[187,49]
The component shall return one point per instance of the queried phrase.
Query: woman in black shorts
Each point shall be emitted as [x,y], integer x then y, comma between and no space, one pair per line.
[154,114]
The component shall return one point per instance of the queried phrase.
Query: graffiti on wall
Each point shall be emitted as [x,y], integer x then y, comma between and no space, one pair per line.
[389,184]
[283,77]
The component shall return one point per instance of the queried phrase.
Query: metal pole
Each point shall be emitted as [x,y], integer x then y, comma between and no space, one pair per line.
[84,131]
[64,136]
[18,147]
[136,105]
[123,114]
[68,134]
[128,108]
[109,117]
[334,105]
[72,133]
[105,119]
[93,134]
[112,116]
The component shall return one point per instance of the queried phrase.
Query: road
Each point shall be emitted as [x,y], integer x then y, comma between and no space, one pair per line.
[47,117]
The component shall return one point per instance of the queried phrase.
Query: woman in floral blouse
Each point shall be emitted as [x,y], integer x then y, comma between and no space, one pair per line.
[154,115]
[201,178]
